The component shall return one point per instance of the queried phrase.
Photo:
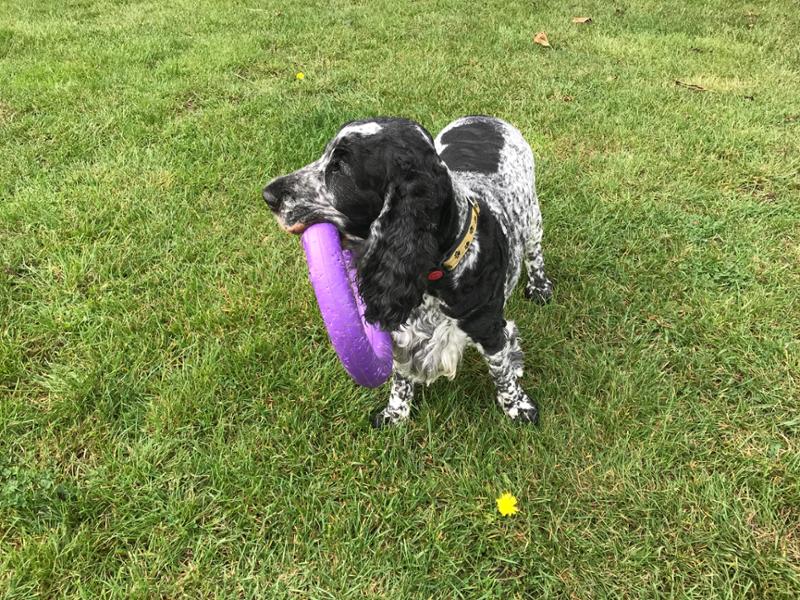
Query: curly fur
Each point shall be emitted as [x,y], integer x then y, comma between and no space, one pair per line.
[400,200]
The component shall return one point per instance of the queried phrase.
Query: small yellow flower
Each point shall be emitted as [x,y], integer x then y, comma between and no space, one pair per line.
[507,504]
[300,76]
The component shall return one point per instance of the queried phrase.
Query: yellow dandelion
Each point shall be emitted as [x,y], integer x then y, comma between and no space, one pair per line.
[507,504]
[300,76]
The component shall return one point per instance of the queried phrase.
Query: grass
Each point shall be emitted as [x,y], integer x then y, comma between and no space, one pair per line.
[173,421]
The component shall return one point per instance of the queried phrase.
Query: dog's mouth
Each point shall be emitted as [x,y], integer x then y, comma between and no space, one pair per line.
[297,222]
[296,229]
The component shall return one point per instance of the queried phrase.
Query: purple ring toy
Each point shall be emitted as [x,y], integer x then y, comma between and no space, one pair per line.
[364,349]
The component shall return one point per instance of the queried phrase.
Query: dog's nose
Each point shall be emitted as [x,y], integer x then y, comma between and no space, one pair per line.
[271,199]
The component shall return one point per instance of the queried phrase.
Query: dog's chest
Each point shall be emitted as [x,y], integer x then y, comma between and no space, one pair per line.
[429,345]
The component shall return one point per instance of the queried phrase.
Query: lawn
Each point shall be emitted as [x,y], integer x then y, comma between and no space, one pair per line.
[173,420]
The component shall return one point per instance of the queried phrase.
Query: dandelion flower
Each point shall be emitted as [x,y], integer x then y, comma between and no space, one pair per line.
[507,504]
[300,76]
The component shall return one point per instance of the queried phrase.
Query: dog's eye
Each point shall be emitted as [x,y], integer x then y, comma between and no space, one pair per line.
[336,173]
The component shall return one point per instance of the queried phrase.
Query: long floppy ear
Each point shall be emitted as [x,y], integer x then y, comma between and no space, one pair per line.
[403,246]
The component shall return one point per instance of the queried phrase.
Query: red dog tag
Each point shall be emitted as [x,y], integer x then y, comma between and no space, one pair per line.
[435,275]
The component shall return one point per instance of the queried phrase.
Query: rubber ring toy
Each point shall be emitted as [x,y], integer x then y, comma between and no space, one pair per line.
[364,349]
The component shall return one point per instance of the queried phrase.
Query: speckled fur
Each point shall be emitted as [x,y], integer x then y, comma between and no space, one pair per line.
[427,345]
[510,193]
[430,343]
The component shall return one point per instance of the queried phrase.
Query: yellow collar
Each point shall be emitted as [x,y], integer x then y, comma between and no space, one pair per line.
[451,262]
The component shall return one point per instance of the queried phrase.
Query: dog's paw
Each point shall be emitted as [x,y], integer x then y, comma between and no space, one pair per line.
[521,410]
[528,414]
[387,418]
[540,291]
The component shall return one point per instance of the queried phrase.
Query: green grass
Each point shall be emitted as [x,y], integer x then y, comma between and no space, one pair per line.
[173,420]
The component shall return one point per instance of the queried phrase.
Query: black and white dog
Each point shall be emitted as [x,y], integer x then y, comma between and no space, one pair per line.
[440,229]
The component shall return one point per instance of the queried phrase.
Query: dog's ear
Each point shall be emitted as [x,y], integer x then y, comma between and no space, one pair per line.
[403,245]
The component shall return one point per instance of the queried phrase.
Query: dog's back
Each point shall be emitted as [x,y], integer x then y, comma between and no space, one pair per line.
[490,159]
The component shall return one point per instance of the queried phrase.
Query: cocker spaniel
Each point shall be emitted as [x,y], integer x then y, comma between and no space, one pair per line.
[440,229]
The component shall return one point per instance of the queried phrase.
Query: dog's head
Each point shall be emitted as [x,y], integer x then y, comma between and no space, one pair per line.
[385,188]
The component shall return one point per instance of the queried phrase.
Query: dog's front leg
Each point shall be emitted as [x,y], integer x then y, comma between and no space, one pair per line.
[399,407]
[498,342]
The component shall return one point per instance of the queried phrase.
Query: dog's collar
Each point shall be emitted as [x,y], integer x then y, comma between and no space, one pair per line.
[459,248]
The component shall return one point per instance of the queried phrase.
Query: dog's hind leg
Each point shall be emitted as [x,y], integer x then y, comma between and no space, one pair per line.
[399,407]
[538,288]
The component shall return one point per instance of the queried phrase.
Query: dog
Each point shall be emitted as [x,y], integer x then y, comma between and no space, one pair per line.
[440,230]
